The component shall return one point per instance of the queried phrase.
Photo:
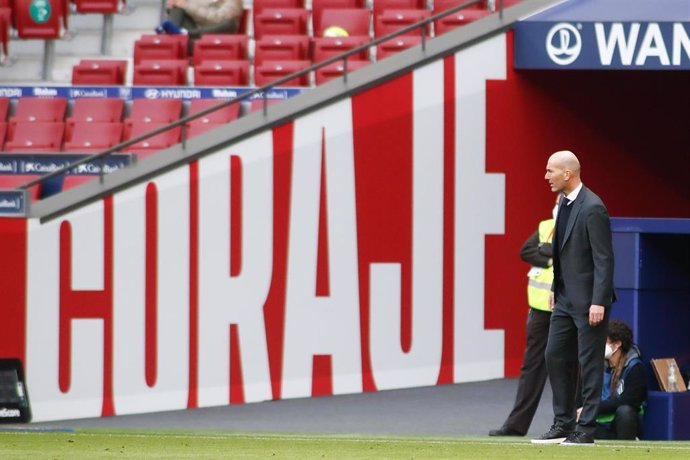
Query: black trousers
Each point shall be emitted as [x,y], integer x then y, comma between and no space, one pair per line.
[571,341]
[532,373]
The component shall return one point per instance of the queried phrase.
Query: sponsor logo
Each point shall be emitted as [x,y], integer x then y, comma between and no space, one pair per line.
[280,95]
[220,93]
[125,93]
[89,93]
[152,93]
[43,167]
[636,45]
[273,94]
[93,168]
[45,91]
[8,203]
[8,166]
[180,93]
[10,92]
[563,43]
[6,413]
[603,45]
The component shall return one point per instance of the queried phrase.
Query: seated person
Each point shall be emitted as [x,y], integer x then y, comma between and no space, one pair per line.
[197,17]
[625,386]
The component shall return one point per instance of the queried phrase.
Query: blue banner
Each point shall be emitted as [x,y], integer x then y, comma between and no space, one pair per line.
[46,163]
[129,93]
[633,45]
[13,202]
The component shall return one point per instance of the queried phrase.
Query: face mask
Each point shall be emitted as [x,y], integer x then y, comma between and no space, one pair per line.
[609,351]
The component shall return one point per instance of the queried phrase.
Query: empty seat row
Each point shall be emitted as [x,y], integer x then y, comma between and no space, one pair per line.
[223,62]
[290,16]
[97,124]
[236,73]
[349,17]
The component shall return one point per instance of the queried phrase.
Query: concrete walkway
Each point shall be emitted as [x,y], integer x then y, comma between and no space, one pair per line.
[469,409]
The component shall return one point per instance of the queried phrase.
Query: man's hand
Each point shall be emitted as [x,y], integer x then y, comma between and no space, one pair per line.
[552,302]
[596,314]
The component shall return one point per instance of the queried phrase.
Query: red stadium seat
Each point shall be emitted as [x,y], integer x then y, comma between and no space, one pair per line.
[243,27]
[64,12]
[152,111]
[213,119]
[326,47]
[462,17]
[270,71]
[36,137]
[48,21]
[5,25]
[281,48]
[258,104]
[442,5]
[12,181]
[200,128]
[97,110]
[260,5]
[93,110]
[395,45]
[163,72]
[98,6]
[94,75]
[162,46]
[382,5]
[220,47]
[9,4]
[39,109]
[153,143]
[222,73]
[93,137]
[155,110]
[353,21]
[337,69]
[4,106]
[3,134]
[318,6]
[99,72]
[224,115]
[280,22]
[390,21]
[34,109]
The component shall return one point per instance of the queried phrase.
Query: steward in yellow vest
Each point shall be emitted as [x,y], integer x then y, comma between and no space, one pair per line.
[541,274]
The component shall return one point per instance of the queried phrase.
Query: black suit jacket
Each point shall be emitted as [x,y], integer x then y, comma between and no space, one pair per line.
[584,261]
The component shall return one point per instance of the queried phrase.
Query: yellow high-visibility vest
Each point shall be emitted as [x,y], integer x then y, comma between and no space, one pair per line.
[540,279]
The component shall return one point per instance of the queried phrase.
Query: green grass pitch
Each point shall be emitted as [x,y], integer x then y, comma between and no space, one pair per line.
[128,444]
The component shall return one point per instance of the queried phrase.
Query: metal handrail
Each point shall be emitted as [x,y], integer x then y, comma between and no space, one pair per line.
[422,25]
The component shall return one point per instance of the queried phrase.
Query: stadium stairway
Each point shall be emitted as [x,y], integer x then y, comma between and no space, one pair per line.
[82,42]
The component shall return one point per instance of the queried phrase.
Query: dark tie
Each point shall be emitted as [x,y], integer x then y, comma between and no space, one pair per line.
[562,222]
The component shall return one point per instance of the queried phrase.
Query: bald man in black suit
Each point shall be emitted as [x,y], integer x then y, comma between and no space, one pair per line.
[581,299]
